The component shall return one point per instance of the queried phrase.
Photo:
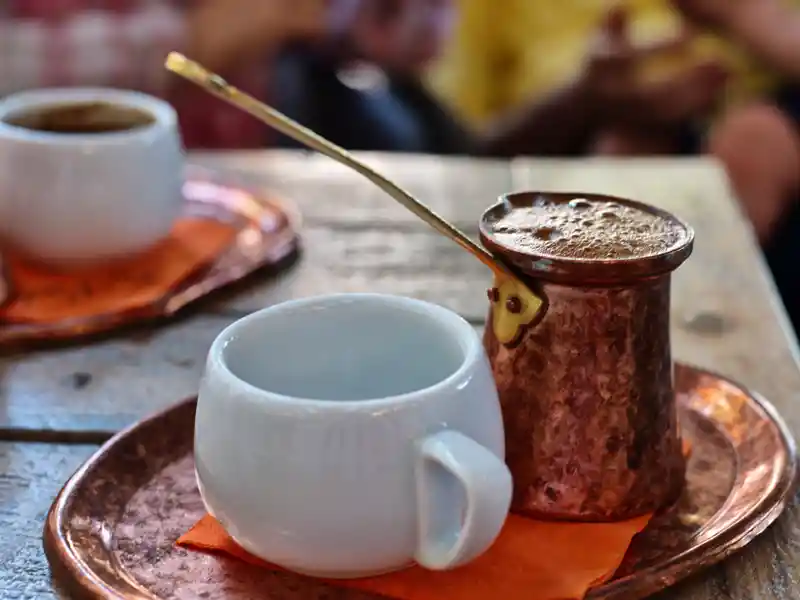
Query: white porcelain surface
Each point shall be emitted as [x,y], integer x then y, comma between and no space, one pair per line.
[87,197]
[353,434]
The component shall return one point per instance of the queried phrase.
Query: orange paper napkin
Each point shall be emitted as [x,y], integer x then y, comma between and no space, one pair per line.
[40,294]
[531,560]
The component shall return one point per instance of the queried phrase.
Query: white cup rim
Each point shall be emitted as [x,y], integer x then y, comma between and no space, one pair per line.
[164,115]
[466,335]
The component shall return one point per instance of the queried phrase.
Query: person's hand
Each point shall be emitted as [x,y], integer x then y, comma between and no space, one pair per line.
[224,34]
[620,96]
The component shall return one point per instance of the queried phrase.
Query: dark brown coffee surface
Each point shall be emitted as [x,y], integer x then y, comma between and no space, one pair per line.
[586,229]
[81,117]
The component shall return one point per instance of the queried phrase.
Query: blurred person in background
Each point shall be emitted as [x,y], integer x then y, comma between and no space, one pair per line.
[351,69]
[384,102]
[709,91]
[762,136]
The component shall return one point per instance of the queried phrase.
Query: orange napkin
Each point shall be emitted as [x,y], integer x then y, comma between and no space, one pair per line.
[531,560]
[43,295]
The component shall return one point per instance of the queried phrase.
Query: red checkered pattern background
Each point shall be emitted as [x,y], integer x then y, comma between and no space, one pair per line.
[118,43]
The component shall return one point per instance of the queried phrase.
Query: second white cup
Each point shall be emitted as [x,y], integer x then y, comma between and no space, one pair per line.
[88,174]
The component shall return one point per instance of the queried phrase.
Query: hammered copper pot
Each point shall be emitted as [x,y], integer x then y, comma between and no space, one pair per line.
[587,387]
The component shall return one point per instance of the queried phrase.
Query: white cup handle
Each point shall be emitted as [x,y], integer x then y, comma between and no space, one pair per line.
[452,468]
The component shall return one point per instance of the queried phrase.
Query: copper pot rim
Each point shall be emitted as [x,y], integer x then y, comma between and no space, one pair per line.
[584,271]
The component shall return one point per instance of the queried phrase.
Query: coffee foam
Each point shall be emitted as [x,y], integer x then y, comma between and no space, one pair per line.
[586,229]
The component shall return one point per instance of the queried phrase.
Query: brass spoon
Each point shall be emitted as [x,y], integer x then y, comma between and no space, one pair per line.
[216,85]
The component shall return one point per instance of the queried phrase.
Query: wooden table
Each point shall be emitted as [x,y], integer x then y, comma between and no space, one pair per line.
[56,405]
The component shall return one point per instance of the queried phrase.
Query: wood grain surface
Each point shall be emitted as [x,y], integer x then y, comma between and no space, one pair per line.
[89,392]
[726,317]
[31,474]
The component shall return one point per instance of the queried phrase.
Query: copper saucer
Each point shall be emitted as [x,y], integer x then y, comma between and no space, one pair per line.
[111,531]
[266,238]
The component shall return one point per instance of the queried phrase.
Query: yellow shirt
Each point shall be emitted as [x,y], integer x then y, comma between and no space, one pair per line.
[506,51]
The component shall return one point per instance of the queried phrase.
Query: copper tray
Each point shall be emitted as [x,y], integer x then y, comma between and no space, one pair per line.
[267,239]
[111,531]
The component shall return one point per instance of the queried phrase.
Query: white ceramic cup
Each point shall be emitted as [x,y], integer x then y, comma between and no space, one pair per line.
[86,197]
[350,435]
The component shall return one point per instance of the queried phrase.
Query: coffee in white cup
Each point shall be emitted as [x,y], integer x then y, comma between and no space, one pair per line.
[88,174]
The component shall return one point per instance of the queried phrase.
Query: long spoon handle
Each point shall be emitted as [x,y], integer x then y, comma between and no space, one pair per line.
[216,85]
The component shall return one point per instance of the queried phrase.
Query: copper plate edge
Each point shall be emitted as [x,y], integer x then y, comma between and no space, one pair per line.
[735,537]
[278,250]
[80,580]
